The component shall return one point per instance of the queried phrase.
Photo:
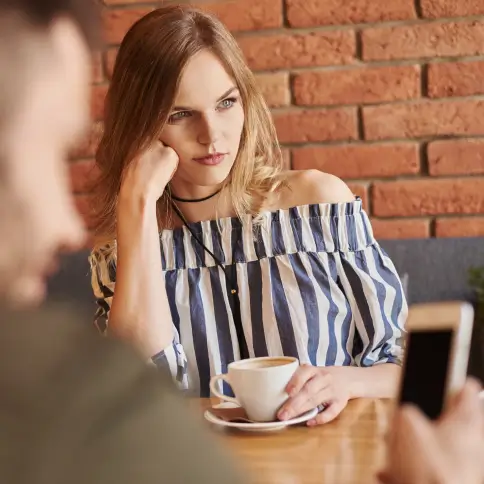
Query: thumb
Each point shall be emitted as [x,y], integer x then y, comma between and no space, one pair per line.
[417,425]
[465,407]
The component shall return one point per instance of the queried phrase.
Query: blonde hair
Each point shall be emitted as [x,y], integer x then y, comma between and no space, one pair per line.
[148,67]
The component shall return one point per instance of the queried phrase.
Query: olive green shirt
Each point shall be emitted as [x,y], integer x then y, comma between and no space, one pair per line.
[76,408]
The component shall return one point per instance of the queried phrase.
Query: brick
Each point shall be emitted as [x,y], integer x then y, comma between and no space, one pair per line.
[97,68]
[275,88]
[357,85]
[411,198]
[283,51]
[239,15]
[442,39]
[451,8]
[85,204]
[316,125]
[421,119]
[401,228]
[459,227]
[455,79]
[198,3]
[116,23]
[286,158]
[360,190]
[124,2]
[456,157]
[309,13]
[360,161]
[83,175]
[98,96]
[87,148]
[109,61]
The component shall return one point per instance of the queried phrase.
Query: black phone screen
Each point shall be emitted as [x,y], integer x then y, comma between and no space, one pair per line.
[425,372]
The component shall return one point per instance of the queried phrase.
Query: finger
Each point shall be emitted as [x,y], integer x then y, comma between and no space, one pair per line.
[328,414]
[315,391]
[412,439]
[299,379]
[409,426]
[471,390]
[471,387]
[466,407]
[412,418]
[421,433]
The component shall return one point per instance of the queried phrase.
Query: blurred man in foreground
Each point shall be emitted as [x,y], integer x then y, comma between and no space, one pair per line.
[74,408]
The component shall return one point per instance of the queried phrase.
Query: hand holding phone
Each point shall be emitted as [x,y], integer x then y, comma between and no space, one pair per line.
[436,354]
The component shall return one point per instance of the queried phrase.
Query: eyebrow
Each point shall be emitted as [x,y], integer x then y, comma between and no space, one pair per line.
[221,98]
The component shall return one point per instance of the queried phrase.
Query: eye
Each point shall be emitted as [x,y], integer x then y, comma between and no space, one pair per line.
[178,116]
[227,103]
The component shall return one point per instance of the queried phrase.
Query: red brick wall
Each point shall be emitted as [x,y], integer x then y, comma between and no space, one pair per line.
[386,94]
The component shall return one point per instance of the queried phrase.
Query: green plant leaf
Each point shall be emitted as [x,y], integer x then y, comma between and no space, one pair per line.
[476,282]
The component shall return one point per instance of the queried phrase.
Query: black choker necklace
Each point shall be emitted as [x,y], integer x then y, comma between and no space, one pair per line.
[194,200]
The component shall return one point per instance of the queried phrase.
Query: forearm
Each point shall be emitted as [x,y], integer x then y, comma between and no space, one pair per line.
[140,311]
[378,381]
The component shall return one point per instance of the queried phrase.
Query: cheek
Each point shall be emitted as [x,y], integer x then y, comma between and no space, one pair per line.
[17,226]
[234,124]
[46,190]
[178,138]
[31,181]
[12,214]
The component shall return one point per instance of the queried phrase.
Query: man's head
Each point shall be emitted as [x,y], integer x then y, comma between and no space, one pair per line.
[44,110]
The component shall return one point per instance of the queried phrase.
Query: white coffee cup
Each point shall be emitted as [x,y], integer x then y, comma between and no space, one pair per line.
[259,385]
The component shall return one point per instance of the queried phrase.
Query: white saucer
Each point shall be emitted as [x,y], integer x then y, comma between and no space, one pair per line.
[257,427]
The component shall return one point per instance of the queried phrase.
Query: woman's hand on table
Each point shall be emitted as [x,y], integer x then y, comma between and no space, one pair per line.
[446,451]
[312,386]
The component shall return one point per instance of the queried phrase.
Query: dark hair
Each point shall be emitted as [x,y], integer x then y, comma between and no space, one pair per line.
[41,13]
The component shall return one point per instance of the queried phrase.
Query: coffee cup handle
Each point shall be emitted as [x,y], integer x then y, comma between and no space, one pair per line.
[213,388]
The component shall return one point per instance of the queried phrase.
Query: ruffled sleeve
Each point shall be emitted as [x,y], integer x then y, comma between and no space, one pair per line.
[374,292]
[103,281]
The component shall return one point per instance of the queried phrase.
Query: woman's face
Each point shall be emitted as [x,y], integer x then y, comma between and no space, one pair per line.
[205,125]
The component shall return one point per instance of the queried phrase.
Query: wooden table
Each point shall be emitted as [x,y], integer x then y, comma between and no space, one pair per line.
[348,450]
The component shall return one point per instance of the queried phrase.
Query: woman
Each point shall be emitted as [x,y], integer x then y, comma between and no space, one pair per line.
[209,252]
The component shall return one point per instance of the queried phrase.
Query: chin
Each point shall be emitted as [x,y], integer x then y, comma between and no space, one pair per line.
[208,177]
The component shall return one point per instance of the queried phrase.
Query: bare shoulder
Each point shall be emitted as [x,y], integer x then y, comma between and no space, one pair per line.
[306,187]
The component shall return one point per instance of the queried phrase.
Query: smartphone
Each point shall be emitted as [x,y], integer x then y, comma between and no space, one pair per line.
[436,354]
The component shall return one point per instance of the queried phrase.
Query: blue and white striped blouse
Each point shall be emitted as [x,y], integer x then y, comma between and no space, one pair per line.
[313,283]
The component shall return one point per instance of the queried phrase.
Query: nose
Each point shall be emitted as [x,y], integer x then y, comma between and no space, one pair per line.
[208,133]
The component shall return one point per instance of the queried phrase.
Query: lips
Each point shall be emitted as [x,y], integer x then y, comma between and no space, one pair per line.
[211,160]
